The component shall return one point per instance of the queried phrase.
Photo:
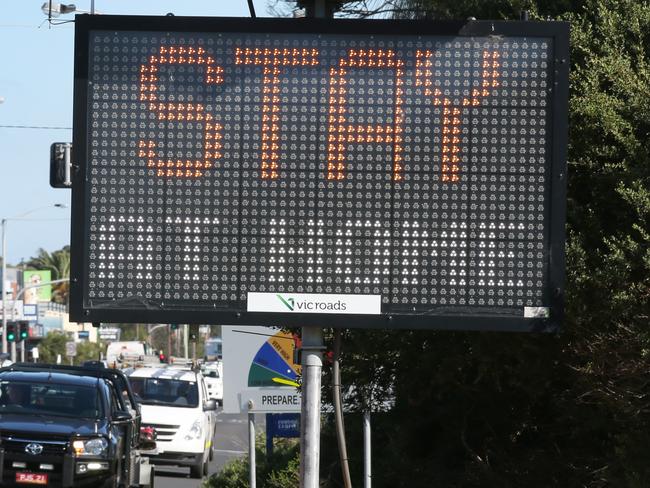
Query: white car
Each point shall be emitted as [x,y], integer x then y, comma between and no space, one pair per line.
[213,374]
[175,402]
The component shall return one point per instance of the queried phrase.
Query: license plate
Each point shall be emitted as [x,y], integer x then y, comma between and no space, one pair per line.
[31,478]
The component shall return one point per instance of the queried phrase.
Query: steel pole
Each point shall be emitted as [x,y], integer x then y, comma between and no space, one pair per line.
[312,364]
[4,285]
[367,452]
[13,351]
[169,343]
[251,450]
[186,338]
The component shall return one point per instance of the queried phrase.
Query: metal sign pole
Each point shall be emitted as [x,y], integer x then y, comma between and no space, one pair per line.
[251,450]
[367,452]
[312,364]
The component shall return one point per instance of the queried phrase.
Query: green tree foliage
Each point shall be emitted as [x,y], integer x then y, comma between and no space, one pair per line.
[494,409]
[54,344]
[58,262]
[280,470]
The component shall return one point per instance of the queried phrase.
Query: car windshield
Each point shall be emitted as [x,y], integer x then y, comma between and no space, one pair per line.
[210,372]
[161,391]
[49,399]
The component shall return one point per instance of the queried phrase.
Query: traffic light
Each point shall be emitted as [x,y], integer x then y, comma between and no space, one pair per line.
[24,330]
[194,332]
[174,326]
[11,332]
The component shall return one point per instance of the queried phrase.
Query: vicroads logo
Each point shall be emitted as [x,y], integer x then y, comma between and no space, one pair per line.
[288,302]
[305,305]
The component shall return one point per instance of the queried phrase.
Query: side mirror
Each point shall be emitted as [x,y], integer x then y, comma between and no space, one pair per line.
[210,405]
[122,416]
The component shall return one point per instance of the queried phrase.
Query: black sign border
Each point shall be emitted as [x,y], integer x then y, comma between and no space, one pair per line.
[442,318]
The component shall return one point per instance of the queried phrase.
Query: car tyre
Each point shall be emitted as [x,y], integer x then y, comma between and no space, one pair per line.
[211,456]
[205,467]
[111,482]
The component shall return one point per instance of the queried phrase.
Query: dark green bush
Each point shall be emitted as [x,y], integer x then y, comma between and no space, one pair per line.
[280,470]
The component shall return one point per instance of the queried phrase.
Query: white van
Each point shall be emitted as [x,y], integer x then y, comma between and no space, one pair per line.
[175,402]
[119,353]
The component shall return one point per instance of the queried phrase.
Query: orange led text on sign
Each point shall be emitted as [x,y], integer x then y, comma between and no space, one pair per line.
[451,114]
[172,111]
[273,60]
[341,133]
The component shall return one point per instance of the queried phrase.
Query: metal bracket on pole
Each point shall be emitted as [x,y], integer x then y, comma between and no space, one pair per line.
[68,164]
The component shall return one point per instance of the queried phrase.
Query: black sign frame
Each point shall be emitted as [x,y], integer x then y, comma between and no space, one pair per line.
[444,318]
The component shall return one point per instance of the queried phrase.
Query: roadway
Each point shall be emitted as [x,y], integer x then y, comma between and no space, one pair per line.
[230,442]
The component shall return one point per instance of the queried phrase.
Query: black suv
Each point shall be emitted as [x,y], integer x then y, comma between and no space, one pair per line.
[69,426]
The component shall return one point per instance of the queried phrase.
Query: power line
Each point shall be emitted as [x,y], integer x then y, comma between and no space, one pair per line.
[48,127]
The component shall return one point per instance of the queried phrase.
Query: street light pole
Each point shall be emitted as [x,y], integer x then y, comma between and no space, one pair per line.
[4,285]
[4,272]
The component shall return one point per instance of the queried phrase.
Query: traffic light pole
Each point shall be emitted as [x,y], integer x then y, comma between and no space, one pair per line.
[13,309]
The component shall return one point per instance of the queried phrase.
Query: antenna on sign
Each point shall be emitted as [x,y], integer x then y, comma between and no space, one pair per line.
[251,8]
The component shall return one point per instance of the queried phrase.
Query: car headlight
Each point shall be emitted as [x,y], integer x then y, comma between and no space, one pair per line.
[90,447]
[196,431]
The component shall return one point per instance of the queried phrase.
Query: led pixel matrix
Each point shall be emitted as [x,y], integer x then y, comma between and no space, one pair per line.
[416,168]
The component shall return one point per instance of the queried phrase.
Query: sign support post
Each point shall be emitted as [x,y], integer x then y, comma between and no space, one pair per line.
[312,364]
[251,449]
[367,446]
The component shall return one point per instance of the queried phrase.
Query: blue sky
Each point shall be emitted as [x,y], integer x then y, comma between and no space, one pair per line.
[36,75]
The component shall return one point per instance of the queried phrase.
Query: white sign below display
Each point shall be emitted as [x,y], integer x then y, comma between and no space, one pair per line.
[314,303]
[269,400]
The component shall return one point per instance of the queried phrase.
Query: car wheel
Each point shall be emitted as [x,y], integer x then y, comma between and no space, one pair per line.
[205,468]
[111,482]
[211,456]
